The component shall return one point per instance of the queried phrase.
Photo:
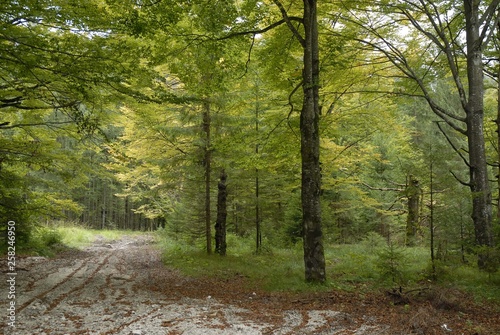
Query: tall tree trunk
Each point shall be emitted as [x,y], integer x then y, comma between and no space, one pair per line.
[431,219]
[104,208]
[258,232]
[497,121]
[207,160]
[412,221]
[220,223]
[479,182]
[126,218]
[314,258]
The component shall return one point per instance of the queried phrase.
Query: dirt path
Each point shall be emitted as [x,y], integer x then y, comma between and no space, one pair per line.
[122,287]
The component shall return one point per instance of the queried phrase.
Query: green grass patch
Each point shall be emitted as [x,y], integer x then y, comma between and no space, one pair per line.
[273,270]
[79,237]
[361,267]
[482,285]
[49,240]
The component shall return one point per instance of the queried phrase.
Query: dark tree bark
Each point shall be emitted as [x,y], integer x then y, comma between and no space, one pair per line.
[220,223]
[258,231]
[258,228]
[207,161]
[314,258]
[479,181]
[413,193]
[497,122]
[480,18]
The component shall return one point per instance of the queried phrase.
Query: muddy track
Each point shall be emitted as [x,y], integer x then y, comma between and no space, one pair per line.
[122,287]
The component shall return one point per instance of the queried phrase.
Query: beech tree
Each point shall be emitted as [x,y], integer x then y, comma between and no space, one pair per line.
[63,70]
[211,26]
[314,259]
[48,102]
[438,29]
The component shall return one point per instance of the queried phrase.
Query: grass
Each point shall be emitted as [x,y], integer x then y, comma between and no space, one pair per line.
[49,240]
[280,270]
[43,241]
[358,267]
[79,237]
[483,286]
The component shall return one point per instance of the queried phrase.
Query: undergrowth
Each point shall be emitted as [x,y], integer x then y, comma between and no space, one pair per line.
[363,267]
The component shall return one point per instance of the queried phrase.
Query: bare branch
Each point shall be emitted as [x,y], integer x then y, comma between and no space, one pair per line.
[258,31]
[460,180]
[485,20]
[5,125]
[290,98]
[453,145]
[385,189]
[288,21]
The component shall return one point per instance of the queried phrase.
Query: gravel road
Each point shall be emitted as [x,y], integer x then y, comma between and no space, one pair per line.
[108,288]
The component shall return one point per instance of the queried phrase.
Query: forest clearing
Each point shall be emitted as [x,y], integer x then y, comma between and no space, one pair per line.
[335,161]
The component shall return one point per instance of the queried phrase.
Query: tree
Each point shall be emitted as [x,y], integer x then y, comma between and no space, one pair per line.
[314,258]
[413,192]
[63,70]
[438,29]
[220,223]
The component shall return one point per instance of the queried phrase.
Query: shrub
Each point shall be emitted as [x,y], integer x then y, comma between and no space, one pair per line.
[48,237]
[374,240]
[391,264]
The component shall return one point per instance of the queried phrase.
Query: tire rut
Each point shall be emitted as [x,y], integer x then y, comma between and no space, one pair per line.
[53,288]
[55,302]
[111,288]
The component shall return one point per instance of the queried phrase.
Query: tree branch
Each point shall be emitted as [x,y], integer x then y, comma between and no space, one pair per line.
[453,145]
[258,31]
[486,19]
[385,189]
[5,125]
[460,180]
[288,21]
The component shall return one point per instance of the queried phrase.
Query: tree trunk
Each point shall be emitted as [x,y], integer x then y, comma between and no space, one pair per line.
[412,221]
[220,223]
[126,218]
[479,182]
[431,219]
[207,160]
[258,232]
[314,258]
[497,121]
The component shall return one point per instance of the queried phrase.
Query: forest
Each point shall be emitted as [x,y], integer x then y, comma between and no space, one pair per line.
[286,123]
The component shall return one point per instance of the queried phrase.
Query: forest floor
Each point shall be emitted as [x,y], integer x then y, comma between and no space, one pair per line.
[122,287]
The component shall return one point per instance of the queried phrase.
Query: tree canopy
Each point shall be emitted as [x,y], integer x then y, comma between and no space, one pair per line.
[331,121]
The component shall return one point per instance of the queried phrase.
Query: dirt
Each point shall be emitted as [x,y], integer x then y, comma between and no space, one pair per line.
[122,287]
